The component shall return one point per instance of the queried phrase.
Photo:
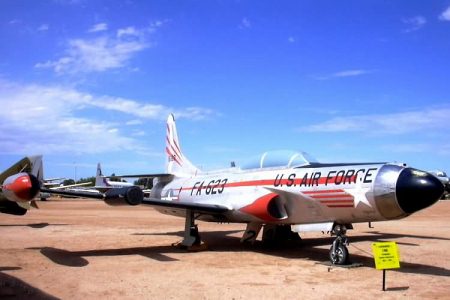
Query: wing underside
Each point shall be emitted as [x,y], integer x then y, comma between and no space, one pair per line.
[196,207]
[120,193]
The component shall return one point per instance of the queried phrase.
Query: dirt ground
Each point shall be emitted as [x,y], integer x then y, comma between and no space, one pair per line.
[83,249]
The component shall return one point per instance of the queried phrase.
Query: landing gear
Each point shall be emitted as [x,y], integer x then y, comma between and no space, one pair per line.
[251,233]
[191,238]
[338,251]
[276,235]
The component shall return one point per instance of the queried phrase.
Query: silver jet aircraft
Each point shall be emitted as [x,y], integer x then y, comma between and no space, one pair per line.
[297,194]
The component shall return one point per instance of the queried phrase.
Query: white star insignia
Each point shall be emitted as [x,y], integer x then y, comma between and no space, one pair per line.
[359,194]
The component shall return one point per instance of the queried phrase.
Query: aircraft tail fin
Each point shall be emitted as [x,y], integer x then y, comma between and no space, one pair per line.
[177,163]
[99,179]
[29,164]
[37,167]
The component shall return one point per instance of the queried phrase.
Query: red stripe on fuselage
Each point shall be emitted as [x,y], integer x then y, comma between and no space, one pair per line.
[331,196]
[271,182]
[324,191]
[336,201]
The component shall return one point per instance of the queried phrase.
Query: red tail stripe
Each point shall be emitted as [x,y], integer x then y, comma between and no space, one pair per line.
[172,148]
[173,156]
[176,146]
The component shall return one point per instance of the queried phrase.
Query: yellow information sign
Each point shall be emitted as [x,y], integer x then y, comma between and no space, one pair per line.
[386,255]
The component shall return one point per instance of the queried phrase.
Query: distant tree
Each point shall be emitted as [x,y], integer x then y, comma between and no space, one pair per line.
[147,183]
[88,179]
[115,178]
[68,182]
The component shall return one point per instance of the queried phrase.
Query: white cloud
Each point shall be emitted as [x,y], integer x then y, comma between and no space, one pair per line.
[98,27]
[445,16]
[14,22]
[43,27]
[409,148]
[345,73]
[441,148]
[134,122]
[139,133]
[52,119]
[395,123]
[100,54]
[291,39]
[148,111]
[414,23]
[127,31]
[245,23]
[350,73]
[95,55]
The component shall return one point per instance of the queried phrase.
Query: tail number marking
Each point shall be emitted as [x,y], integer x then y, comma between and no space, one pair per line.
[212,188]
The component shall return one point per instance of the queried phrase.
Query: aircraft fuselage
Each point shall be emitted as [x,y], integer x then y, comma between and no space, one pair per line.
[342,193]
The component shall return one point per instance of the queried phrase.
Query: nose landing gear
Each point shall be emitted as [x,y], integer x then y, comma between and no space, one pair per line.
[338,251]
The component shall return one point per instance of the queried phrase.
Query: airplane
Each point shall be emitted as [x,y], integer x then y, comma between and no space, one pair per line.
[59,187]
[442,176]
[24,179]
[282,193]
[102,183]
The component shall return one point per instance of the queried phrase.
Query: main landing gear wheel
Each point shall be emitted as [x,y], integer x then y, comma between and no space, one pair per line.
[339,255]
[338,251]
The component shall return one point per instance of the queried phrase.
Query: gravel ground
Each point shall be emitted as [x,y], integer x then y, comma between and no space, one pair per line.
[82,249]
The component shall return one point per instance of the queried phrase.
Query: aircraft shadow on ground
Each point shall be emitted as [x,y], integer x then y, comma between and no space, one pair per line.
[397,235]
[181,233]
[6,268]
[33,225]
[77,258]
[14,288]
[221,241]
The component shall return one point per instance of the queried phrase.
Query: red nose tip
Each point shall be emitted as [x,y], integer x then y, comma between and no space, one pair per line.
[20,187]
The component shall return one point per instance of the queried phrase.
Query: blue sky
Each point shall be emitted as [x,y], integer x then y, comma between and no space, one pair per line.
[83,82]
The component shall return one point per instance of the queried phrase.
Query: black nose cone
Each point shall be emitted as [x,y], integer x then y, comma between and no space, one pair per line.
[416,190]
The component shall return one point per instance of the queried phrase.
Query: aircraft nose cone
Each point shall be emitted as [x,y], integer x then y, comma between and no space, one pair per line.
[416,190]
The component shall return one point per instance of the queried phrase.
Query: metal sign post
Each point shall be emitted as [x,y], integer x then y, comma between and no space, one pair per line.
[386,257]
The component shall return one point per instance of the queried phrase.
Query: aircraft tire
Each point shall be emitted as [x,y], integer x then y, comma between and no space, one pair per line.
[340,256]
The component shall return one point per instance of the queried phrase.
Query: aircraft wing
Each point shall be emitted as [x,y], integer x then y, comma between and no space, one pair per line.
[163,175]
[197,207]
[119,194]
[80,194]
[61,187]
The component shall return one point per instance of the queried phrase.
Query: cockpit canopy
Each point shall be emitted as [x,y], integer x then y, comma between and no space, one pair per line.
[279,159]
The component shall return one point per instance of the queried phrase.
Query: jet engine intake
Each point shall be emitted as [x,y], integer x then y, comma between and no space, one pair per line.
[269,208]
[130,195]
[21,187]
